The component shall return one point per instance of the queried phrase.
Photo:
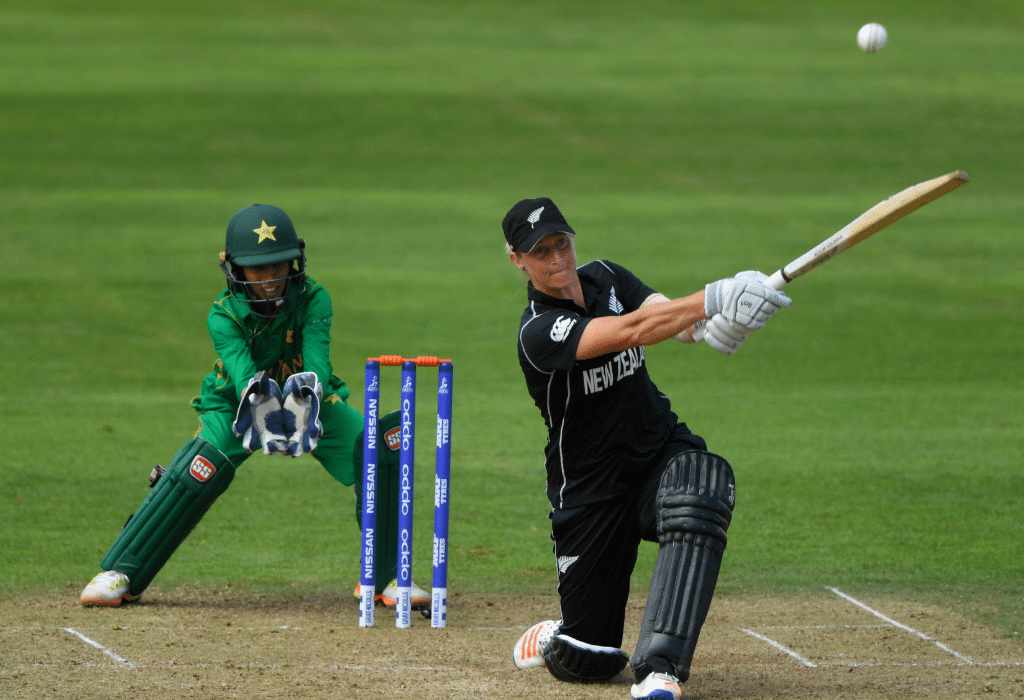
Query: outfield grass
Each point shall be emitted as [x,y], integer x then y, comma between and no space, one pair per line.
[876,428]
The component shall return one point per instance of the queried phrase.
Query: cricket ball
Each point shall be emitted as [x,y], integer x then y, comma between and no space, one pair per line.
[872,37]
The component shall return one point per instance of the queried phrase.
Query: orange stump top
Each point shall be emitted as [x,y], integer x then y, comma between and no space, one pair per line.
[398,360]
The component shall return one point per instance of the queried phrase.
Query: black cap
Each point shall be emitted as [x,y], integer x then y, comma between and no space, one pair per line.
[530,220]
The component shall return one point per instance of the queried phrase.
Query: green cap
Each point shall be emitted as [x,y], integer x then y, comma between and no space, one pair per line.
[261,234]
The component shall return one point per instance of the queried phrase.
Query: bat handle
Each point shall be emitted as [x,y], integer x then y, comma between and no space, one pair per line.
[777,280]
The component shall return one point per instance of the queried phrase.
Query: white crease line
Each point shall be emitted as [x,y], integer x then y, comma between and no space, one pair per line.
[894,664]
[115,657]
[894,623]
[780,647]
[243,667]
[823,627]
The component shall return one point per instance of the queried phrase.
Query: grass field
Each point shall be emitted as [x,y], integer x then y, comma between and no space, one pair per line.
[876,429]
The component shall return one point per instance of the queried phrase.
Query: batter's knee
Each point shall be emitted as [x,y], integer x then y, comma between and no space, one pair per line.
[696,497]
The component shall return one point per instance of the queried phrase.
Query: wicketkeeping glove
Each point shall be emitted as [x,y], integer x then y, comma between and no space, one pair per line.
[302,395]
[259,419]
[744,301]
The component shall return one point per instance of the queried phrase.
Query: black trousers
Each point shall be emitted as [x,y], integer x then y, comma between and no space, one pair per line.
[596,549]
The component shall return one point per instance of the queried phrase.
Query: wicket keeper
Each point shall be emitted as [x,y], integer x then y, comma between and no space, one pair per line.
[273,387]
[620,465]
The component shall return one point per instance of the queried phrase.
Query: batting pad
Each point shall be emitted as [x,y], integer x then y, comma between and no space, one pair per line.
[695,502]
[388,468]
[197,475]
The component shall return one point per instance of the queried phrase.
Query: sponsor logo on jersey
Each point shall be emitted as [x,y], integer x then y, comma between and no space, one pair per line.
[393,438]
[560,329]
[202,469]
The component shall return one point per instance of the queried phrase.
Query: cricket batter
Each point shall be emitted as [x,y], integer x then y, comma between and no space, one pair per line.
[621,467]
[272,386]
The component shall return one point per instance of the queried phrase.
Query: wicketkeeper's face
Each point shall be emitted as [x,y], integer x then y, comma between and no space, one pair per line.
[268,281]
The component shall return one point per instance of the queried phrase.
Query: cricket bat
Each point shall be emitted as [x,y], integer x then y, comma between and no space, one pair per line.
[873,220]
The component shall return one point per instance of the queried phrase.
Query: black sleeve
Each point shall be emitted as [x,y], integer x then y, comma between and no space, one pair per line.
[631,291]
[548,341]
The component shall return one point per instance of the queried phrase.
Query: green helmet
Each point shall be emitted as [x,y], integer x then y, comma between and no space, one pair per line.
[260,235]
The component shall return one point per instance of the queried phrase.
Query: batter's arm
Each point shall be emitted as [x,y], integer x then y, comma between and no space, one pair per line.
[650,324]
[688,335]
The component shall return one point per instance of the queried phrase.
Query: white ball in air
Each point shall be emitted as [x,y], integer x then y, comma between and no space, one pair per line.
[872,37]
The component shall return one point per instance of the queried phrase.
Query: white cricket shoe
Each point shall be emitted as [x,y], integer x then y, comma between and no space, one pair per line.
[109,588]
[657,686]
[529,650]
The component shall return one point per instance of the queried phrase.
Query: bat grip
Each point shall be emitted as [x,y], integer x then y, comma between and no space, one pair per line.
[777,280]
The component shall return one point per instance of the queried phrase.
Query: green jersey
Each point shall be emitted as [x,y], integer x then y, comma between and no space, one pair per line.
[282,346]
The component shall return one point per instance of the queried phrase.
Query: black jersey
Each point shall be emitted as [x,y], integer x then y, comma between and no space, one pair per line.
[606,419]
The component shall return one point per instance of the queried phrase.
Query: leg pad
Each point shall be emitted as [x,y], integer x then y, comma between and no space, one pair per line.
[197,475]
[695,502]
[388,469]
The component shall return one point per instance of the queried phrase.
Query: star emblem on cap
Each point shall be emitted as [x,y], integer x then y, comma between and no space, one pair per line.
[264,232]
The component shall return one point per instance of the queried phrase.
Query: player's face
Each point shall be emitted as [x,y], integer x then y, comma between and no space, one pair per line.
[271,280]
[551,264]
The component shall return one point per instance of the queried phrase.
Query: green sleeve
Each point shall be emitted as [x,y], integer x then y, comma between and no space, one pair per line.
[228,333]
[316,333]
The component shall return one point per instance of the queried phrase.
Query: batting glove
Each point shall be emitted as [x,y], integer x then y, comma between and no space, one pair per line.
[746,302]
[696,331]
[723,336]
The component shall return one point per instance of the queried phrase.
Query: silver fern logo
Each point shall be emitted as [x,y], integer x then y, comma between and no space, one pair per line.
[565,562]
[614,304]
[534,216]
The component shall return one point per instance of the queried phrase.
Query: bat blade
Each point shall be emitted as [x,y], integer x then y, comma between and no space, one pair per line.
[873,220]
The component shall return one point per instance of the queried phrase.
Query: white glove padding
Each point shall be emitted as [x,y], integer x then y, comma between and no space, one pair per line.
[751,275]
[698,330]
[302,395]
[723,336]
[259,418]
[746,302]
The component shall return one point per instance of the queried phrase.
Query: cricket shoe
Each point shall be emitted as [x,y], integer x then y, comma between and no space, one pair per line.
[657,686]
[419,599]
[109,589]
[529,650]
[377,599]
